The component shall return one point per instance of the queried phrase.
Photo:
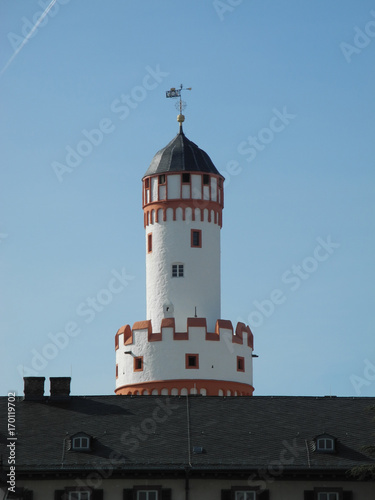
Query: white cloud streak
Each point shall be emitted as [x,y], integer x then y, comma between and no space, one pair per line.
[28,36]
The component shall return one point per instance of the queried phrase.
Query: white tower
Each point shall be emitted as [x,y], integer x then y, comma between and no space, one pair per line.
[182,202]
[183,346]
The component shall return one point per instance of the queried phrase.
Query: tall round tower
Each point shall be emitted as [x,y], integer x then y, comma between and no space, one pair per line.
[183,347]
[182,203]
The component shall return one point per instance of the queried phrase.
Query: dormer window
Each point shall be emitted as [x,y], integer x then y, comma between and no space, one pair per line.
[325,444]
[81,442]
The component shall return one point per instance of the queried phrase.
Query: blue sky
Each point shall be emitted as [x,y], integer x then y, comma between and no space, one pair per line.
[283,103]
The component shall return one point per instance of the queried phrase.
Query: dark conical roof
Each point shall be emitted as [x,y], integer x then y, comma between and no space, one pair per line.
[181,155]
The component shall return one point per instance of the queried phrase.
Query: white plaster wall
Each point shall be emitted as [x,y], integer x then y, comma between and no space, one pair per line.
[200,489]
[162,192]
[213,188]
[186,190]
[174,186]
[165,359]
[112,488]
[154,188]
[200,286]
[196,186]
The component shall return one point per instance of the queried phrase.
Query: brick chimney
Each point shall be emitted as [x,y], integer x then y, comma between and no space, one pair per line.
[34,388]
[60,388]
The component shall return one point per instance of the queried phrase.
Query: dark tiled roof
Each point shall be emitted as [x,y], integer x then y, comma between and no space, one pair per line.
[181,155]
[236,433]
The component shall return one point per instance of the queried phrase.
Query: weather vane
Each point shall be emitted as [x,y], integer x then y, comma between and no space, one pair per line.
[180,105]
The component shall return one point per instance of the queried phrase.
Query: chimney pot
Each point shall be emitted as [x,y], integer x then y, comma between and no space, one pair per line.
[60,387]
[34,388]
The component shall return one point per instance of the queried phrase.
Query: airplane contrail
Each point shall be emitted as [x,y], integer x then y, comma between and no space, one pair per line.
[28,36]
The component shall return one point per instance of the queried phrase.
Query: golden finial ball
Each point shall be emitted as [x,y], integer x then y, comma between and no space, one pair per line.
[180,118]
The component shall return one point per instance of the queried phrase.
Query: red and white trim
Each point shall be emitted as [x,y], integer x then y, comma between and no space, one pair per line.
[156,212]
[184,387]
[153,190]
[236,338]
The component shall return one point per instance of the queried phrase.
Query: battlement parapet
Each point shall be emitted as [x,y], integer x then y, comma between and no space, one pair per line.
[195,326]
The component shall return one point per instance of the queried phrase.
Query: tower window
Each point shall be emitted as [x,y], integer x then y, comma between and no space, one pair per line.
[138,364]
[147,183]
[206,179]
[162,179]
[185,178]
[220,183]
[196,238]
[191,361]
[240,364]
[177,270]
[149,243]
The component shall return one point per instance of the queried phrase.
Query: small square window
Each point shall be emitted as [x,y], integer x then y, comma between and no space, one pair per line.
[191,361]
[177,270]
[138,364]
[206,179]
[196,238]
[240,364]
[198,450]
[162,179]
[185,178]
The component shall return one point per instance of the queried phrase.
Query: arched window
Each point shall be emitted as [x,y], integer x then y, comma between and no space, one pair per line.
[81,442]
[325,443]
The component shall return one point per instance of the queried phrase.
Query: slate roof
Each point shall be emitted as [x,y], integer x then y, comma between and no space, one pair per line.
[180,155]
[236,433]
